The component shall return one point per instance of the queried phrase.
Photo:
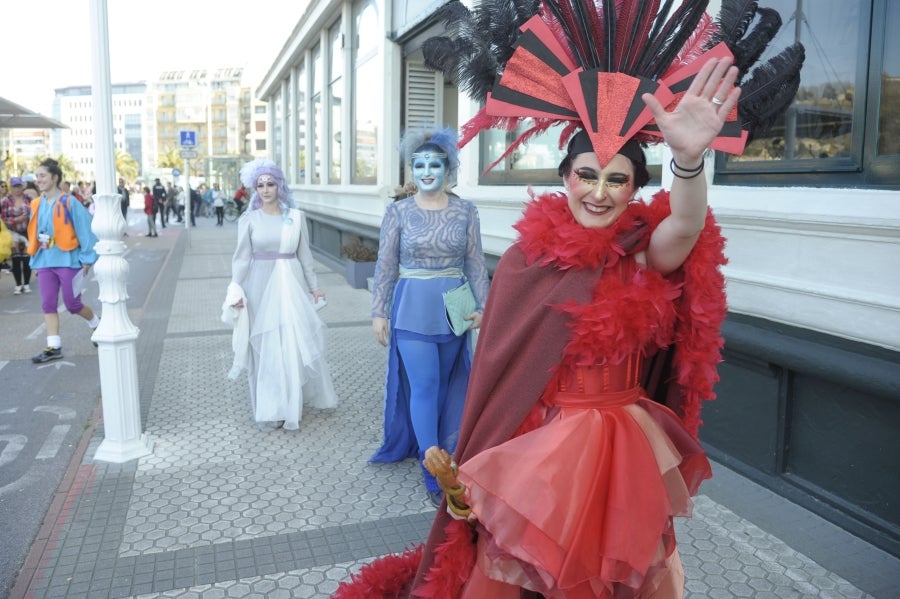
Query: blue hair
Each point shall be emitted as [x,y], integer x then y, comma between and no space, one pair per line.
[444,138]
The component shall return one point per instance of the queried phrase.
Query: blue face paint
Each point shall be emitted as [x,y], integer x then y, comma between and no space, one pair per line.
[429,172]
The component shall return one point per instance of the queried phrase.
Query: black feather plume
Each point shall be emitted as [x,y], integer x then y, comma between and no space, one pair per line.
[733,19]
[770,90]
[478,43]
[748,49]
[663,47]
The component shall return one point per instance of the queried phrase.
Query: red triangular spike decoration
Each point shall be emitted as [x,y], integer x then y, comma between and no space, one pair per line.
[531,84]
[610,106]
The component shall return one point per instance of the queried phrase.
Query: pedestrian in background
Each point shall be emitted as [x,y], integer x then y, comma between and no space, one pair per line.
[160,200]
[241,197]
[61,245]
[430,244]
[172,209]
[125,201]
[218,202]
[278,335]
[15,211]
[196,204]
[150,211]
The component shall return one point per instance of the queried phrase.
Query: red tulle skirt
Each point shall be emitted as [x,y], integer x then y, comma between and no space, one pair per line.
[583,505]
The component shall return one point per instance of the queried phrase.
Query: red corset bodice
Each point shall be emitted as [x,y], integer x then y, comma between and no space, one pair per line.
[600,386]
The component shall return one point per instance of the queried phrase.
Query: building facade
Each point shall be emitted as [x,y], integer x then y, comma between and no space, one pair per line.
[809,401]
[131,130]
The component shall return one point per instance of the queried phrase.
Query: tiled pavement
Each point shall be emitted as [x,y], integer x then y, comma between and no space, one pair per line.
[221,509]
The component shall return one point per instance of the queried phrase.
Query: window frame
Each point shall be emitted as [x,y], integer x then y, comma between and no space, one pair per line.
[862,168]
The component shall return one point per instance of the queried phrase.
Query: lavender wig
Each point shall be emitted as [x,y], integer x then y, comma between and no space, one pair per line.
[253,170]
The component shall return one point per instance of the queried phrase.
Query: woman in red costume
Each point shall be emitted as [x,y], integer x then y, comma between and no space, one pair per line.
[599,341]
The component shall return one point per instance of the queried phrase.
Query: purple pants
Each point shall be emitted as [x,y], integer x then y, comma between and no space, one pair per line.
[51,281]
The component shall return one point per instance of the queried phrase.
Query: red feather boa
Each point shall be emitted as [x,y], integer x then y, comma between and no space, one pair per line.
[689,303]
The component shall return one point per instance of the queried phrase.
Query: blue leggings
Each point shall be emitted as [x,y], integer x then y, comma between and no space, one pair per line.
[427,368]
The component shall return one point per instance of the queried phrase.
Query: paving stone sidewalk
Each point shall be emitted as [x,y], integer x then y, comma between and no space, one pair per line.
[221,509]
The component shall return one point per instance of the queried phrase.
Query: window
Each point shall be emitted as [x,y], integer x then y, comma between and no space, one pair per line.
[316,122]
[841,128]
[260,145]
[277,133]
[367,106]
[260,126]
[335,99]
[301,121]
[537,161]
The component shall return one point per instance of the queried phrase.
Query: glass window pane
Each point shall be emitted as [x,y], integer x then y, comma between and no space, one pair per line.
[819,123]
[301,123]
[335,99]
[889,108]
[276,128]
[367,106]
[317,116]
[337,95]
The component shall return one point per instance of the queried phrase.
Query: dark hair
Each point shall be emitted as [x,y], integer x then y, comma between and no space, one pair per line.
[581,144]
[53,166]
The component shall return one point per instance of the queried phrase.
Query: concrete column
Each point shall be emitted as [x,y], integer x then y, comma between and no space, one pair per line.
[123,438]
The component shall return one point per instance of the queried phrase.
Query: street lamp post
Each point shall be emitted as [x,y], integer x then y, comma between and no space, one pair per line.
[123,437]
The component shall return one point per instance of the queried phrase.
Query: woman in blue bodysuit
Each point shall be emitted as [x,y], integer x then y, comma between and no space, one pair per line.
[430,243]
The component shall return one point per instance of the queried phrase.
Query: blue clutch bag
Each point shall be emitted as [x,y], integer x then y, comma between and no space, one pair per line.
[459,303]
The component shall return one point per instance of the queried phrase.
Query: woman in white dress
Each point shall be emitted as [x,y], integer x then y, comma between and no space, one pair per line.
[278,336]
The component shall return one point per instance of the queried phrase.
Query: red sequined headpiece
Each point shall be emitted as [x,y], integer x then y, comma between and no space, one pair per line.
[585,64]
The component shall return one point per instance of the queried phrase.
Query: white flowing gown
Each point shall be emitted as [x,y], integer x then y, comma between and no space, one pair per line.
[286,364]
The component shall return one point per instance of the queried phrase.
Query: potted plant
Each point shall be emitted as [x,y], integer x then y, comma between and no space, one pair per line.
[359,261]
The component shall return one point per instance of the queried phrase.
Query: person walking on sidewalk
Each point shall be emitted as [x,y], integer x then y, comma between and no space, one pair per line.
[160,202]
[430,244]
[61,245]
[150,212]
[15,211]
[218,202]
[278,335]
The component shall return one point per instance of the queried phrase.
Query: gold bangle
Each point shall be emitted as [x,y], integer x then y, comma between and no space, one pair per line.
[455,491]
[460,510]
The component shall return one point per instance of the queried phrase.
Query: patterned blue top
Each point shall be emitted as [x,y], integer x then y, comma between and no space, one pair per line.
[431,239]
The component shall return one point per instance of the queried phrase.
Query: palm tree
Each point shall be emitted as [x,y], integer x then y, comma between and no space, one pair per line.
[70,173]
[170,158]
[126,166]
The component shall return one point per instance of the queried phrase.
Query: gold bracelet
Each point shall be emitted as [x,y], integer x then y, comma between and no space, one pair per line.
[455,491]
[460,510]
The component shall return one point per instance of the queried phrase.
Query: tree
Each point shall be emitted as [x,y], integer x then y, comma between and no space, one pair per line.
[70,173]
[170,158]
[126,166]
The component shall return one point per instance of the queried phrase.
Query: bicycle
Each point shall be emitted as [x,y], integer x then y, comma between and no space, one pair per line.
[232,212]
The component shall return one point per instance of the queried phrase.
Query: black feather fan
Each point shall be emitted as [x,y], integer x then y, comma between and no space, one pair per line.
[770,90]
[478,43]
[748,49]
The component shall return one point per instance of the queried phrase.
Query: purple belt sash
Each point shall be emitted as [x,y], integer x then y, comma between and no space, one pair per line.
[272,256]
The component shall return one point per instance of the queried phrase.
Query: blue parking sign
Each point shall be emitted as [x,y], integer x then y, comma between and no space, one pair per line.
[188,139]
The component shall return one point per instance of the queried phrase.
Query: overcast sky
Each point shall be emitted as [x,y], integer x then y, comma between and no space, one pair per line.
[47,43]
